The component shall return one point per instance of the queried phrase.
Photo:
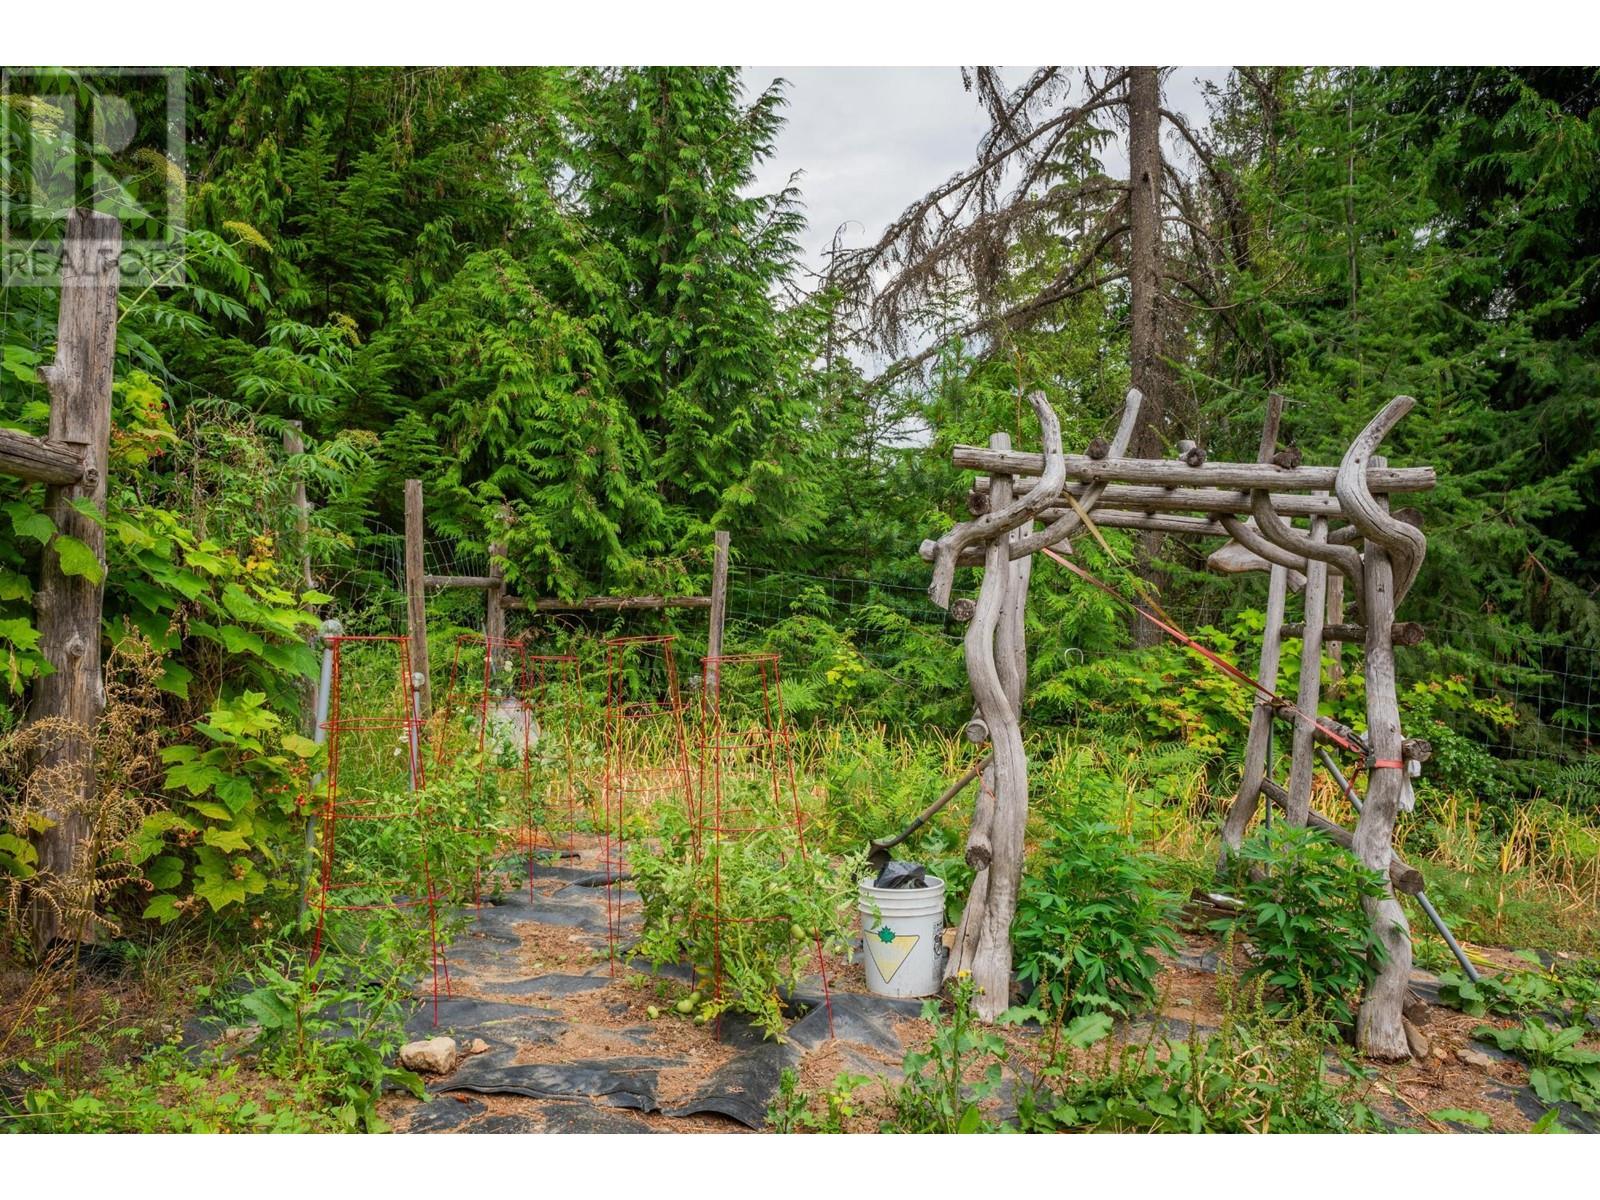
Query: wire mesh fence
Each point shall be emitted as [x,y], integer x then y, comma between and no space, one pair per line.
[1538,701]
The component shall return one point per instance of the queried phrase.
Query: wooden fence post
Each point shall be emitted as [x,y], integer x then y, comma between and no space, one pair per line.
[494,612]
[69,606]
[416,609]
[719,610]
[1301,742]
[293,446]
[1257,764]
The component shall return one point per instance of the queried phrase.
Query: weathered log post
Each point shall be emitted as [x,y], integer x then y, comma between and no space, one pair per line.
[719,614]
[996,653]
[69,605]
[294,446]
[1257,743]
[494,613]
[496,594]
[1301,745]
[1333,616]
[994,845]
[979,642]
[1380,1031]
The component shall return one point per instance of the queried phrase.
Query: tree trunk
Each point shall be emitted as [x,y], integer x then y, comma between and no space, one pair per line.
[1144,277]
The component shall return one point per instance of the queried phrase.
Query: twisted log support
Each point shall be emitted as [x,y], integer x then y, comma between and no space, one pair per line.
[1405,543]
[996,657]
[1247,536]
[1068,523]
[1286,537]
[1380,1029]
[989,692]
[994,525]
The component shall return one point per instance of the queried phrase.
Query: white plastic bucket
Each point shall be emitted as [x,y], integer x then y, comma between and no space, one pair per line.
[903,946]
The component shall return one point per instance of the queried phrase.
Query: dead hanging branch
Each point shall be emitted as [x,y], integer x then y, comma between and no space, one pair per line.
[964,229]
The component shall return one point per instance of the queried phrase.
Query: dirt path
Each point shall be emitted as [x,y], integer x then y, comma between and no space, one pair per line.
[571,1045]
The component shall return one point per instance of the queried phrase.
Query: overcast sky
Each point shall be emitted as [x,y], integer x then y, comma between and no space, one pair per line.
[870,140]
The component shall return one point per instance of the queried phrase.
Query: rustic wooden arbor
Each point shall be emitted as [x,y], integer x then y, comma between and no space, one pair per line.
[1256,506]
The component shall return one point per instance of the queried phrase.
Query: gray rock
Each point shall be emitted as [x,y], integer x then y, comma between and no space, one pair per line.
[435,1056]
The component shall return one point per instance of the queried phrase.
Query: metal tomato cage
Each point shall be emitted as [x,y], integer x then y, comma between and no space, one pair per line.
[646,755]
[746,788]
[520,714]
[372,728]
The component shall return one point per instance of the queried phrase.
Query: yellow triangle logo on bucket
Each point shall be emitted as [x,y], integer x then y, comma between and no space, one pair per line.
[889,956]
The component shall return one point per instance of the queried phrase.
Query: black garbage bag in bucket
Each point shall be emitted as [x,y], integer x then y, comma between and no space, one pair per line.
[897,874]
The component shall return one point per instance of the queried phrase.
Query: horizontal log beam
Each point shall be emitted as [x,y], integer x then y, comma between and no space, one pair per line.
[1169,473]
[481,582]
[1151,498]
[1113,518]
[1403,876]
[1404,633]
[608,603]
[40,460]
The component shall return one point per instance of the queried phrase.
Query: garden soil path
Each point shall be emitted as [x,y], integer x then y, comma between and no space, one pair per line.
[571,1046]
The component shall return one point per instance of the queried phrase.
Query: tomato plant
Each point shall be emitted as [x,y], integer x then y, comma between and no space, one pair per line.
[748,911]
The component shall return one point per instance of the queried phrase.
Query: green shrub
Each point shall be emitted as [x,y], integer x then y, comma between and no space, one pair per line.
[1256,1074]
[1558,1068]
[333,1027]
[1304,920]
[1088,918]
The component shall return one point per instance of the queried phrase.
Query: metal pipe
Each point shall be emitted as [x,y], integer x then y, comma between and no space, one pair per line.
[1422,897]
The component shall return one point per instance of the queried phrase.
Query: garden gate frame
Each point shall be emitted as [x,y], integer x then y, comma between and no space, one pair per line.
[498,599]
